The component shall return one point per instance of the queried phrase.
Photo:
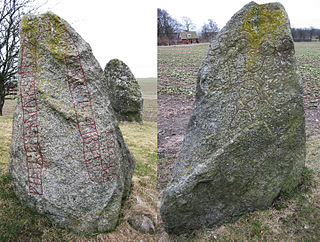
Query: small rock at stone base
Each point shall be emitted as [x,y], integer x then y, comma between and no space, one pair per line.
[142,223]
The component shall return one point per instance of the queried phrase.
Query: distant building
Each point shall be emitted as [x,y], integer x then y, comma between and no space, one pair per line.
[188,37]
[10,87]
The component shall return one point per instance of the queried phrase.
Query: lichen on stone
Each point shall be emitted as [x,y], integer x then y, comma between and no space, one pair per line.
[261,22]
[245,141]
[68,156]
[124,91]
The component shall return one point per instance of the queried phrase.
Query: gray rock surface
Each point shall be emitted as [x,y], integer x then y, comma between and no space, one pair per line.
[124,91]
[142,223]
[245,141]
[68,157]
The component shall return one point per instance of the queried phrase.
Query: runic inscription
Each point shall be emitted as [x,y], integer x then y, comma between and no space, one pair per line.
[99,169]
[28,96]
[245,79]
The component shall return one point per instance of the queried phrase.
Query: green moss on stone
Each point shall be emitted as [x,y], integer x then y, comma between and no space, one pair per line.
[114,63]
[56,38]
[53,27]
[29,30]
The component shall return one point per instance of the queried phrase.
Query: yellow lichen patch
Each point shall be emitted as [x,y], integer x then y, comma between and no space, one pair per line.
[51,26]
[261,22]
[29,25]
[99,211]
[57,48]
[54,18]
[29,35]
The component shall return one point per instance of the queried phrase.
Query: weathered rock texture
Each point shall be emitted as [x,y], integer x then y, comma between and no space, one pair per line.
[142,223]
[124,91]
[68,158]
[245,141]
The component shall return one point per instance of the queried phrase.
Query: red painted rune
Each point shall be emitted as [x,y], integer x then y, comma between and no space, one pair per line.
[98,168]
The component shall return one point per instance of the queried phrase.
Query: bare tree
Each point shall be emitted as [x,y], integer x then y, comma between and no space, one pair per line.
[188,24]
[294,33]
[168,27]
[305,34]
[209,30]
[312,32]
[300,33]
[11,12]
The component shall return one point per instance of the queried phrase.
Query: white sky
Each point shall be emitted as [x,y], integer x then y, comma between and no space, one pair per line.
[302,13]
[122,29]
[127,29]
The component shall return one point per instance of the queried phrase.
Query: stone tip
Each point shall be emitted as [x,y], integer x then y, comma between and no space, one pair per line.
[114,62]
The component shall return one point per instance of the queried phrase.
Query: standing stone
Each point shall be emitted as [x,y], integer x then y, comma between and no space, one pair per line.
[68,158]
[124,91]
[245,141]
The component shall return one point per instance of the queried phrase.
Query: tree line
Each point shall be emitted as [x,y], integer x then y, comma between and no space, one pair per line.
[305,34]
[169,29]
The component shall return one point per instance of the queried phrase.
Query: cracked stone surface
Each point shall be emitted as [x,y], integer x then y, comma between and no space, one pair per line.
[245,141]
[68,157]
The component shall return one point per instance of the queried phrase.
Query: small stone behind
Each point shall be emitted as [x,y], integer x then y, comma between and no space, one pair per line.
[124,91]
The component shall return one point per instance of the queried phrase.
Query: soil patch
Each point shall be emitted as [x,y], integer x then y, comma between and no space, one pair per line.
[173,117]
[9,107]
[312,122]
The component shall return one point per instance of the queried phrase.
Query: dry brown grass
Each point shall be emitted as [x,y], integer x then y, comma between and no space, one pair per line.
[5,140]
[9,106]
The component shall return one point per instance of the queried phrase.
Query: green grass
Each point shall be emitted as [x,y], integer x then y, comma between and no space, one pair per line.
[149,90]
[308,54]
[137,137]
[148,86]
[178,67]
[18,223]
[5,140]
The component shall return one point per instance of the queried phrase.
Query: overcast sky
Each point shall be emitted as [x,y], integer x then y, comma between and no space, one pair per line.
[127,29]
[302,13]
[122,29]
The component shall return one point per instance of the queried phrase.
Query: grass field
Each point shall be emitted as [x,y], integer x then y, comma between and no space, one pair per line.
[18,223]
[149,90]
[293,217]
[178,67]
